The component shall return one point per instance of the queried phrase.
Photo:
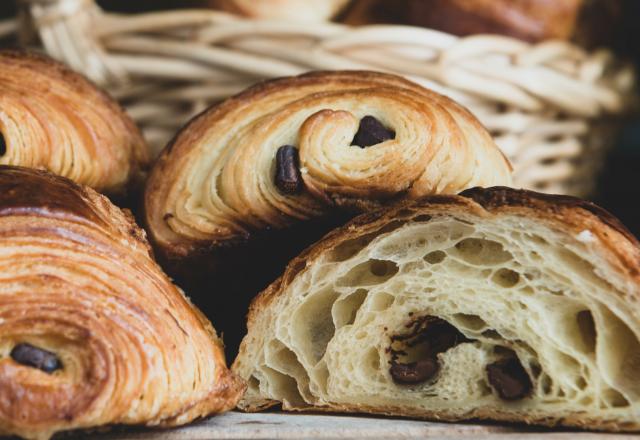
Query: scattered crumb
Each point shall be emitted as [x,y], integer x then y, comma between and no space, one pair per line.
[586,236]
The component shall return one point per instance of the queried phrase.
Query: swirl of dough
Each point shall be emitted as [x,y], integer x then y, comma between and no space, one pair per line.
[216,183]
[91,331]
[55,119]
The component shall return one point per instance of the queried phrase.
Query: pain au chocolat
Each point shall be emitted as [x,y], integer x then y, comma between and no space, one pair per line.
[55,119]
[495,304]
[92,332]
[251,182]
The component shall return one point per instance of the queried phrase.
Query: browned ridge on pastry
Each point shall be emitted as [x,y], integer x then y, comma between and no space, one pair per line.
[55,119]
[496,304]
[293,149]
[92,332]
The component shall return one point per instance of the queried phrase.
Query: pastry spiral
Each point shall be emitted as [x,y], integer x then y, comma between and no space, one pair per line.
[497,304]
[53,118]
[282,152]
[91,331]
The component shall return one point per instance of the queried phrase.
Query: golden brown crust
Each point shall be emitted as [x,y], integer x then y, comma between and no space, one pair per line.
[78,281]
[213,185]
[53,118]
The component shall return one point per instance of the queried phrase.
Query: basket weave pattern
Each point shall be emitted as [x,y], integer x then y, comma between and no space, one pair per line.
[541,102]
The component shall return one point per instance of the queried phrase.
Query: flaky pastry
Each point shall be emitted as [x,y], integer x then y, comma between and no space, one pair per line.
[294,149]
[92,332]
[495,304]
[55,119]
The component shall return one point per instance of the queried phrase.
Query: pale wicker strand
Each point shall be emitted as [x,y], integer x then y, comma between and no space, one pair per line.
[250,64]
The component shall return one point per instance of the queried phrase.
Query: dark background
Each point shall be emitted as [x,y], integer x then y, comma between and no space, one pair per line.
[619,185]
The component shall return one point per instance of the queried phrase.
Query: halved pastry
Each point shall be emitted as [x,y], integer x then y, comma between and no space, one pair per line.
[91,331]
[298,155]
[55,119]
[495,304]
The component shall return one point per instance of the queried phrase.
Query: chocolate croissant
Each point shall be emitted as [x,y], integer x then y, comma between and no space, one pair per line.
[496,304]
[92,332]
[53,118]
[253,181]
[293,149]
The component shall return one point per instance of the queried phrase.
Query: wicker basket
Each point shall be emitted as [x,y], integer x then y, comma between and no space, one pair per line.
[550,106]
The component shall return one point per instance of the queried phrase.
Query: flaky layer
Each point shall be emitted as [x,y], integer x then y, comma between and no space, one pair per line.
[217,182]
[52,118]
[79,290]
[498,304]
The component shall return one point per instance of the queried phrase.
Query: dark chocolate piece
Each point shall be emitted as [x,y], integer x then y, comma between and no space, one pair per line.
[288,177]
[29,355]
[414,372]
[3,145]
[371,132]
[431,336]
[509,378]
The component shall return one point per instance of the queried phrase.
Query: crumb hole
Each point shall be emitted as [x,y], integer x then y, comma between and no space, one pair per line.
[546,384]
[345,310]
[506,278]
[491,334]
[587,330]
[614,399]
[254,383]
[435,257]
[536,369]
[381,301]
[581,383]
[471,322]
[482,252]
[382,268]
[372,360]
[369,273]
[314,327]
